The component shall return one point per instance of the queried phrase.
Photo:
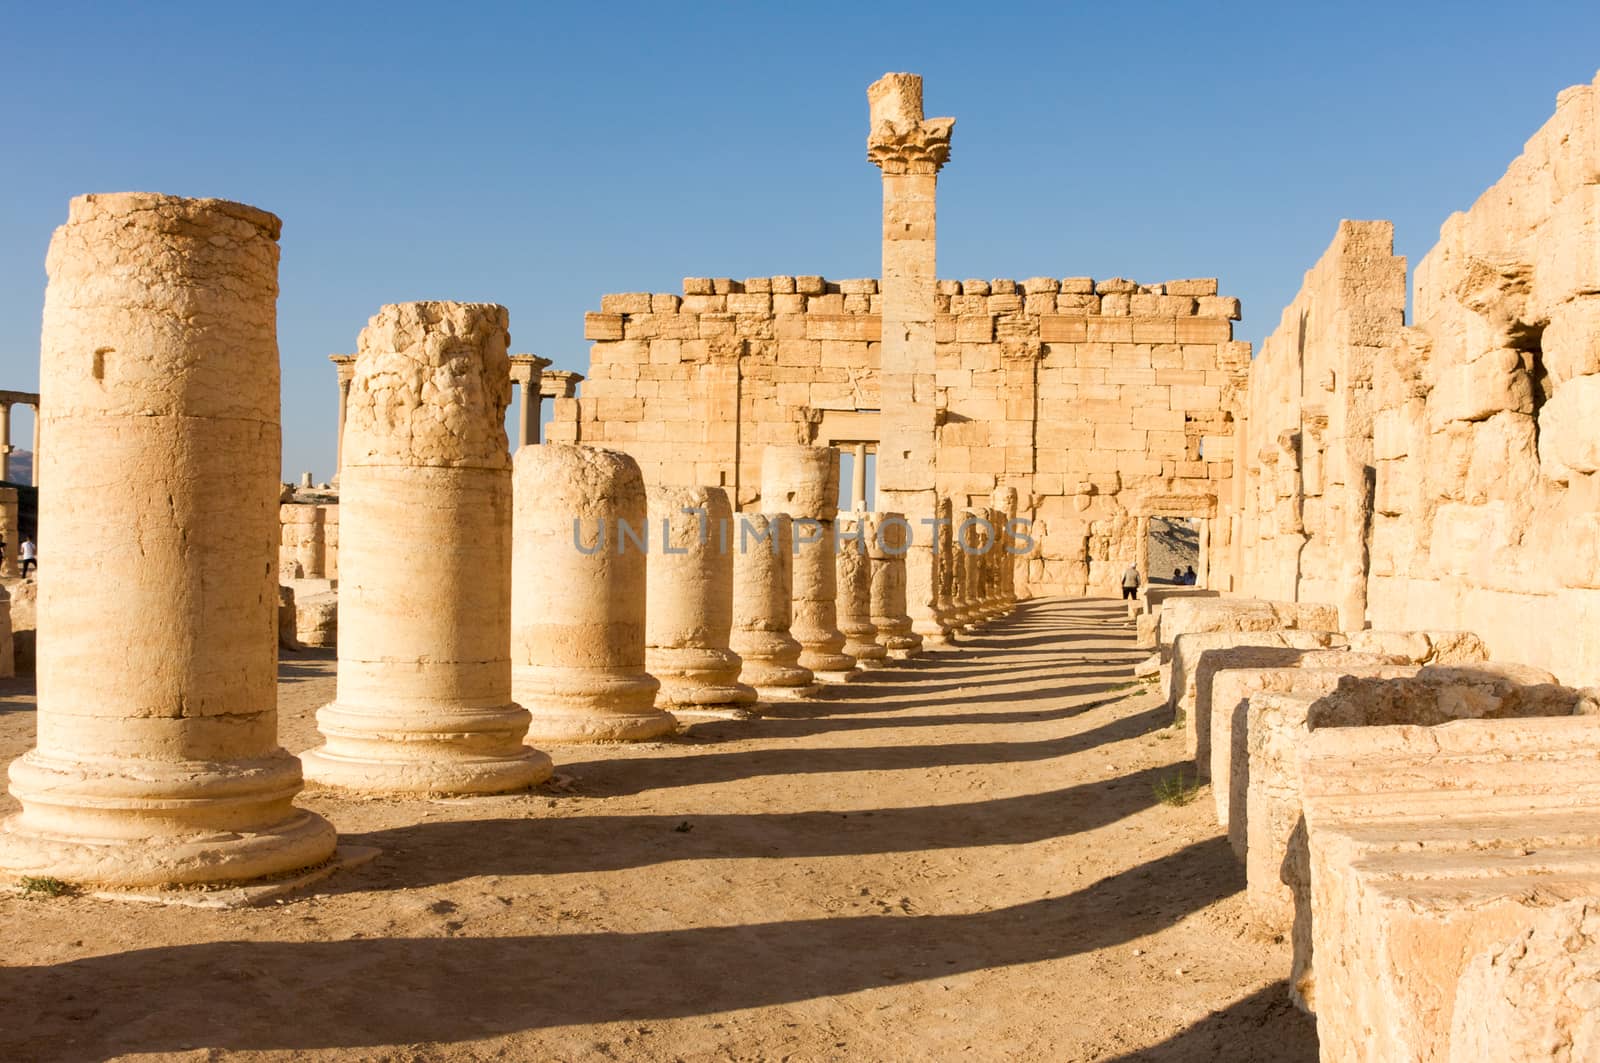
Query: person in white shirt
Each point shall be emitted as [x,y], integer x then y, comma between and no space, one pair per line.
[1130,582]
[28,555]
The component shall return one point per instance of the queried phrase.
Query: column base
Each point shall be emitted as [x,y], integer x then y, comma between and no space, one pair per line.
[768,676]
[800,693]
[819,663]
[579,725]
[130,822]
[449,751]
[684,692]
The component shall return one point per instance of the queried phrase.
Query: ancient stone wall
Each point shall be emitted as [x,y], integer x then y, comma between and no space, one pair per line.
[1100,402]
[1303,483]
[308,541]
[1484,421]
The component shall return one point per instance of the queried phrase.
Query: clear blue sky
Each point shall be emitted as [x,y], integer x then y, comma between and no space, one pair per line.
[539,157]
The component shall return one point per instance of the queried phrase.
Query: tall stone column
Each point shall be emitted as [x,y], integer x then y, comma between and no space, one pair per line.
[5,444]
[689,604]
[763,607]
[10,530]
[909,150]
[1005,504]
[858,478]
[969,538]
[157,759]
[424,692]
[578,597]
[853,579]
[803,482]
[887,538]
[37,435]
[344,368]
[944,563]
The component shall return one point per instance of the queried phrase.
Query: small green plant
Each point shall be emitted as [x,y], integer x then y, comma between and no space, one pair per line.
[45,887]
[1176,790]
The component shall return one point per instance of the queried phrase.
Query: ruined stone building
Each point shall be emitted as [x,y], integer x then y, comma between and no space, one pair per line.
[1101,402]
[1443,474]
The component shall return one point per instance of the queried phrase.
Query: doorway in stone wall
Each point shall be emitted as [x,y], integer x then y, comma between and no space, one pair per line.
[1172,551]
[858,475]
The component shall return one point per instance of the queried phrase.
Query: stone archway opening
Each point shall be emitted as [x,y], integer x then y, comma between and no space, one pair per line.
[1172,550]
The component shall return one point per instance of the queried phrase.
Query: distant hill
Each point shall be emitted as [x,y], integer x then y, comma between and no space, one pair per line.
[21,467]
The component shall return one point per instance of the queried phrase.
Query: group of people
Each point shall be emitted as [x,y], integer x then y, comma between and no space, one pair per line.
[1131,579]
[27,555]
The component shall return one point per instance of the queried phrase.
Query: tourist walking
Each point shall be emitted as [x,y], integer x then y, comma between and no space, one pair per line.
[1130,582]
[28,555]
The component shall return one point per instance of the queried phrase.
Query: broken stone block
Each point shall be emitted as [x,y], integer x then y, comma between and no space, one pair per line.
[1536,997]
[1242,614]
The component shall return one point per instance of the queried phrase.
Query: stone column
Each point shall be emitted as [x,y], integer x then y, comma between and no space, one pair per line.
[528,417]
[5,443]
[36,437]
[944,564]
[424,692]
[157,759]
[858,479]
[10,530]
[803,482]
[909,150]
[853,571]
[887,540]
[763,609]
[578,597]
[344,368]
[689,614]
[969,534]
[1005,504]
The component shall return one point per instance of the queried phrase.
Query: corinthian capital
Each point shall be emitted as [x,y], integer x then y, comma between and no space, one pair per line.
[901,140]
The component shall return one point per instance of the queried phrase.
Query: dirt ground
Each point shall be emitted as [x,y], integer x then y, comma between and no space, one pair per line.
[962,858]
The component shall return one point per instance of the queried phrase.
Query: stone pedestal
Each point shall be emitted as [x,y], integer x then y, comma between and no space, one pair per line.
[578,565]
[424,697]
[689,614]
[1005,504]
[803,482]
[944,569]
[969,560]
[853,571]
[157,759]
[888,538]
[763,609]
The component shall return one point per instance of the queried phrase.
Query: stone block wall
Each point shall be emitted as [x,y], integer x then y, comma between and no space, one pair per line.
[1456,482]
[1103,402]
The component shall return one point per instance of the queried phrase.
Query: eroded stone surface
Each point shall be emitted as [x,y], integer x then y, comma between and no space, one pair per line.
[763,587]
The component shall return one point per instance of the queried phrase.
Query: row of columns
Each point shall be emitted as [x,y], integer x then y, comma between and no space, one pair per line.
[8,399]
[483,600]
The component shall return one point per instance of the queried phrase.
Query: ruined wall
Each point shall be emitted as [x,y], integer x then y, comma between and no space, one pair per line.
[1484,428]
[1102,403]
[1487,431]
[1303,499]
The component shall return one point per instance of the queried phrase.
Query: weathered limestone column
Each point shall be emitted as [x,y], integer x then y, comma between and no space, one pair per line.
[853,570]
[424,691]
[37,435]
[1005,504]
[858,479]
[969,533]
[803,482]
[578,597]
[909,150]
[10,530]
[5,444]
[344,367]
[888,537]
[995,562]
[763,607]
[689,605]
[157,759]
[944,564]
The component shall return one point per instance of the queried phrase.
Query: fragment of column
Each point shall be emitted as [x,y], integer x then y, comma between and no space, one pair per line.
[888,538]
[853,570]
[689,599]
[578,596]
[803,481]
[944,564]
[157,759]
[1005,504]
[763,607]
[423,702]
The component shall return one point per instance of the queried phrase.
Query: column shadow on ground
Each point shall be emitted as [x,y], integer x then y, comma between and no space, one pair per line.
[304,996]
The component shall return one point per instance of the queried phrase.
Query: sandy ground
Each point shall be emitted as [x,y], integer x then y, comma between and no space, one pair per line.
[959,858]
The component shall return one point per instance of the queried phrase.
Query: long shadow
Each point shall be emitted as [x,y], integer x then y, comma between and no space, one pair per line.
[362,993]
[616,778]
[778,724]
[440,852]
[1260,1028]
[998,678]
